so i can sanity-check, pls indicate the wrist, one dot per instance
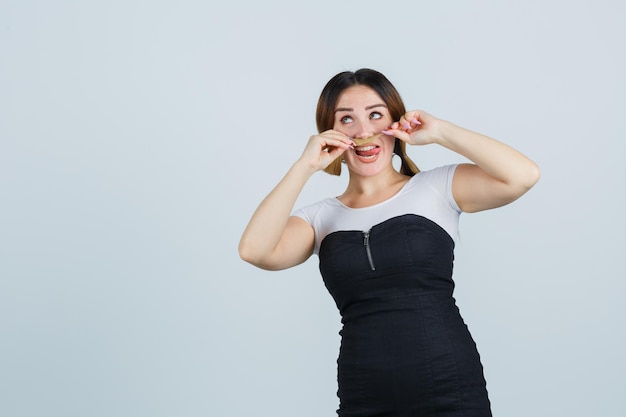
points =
(303, 169)
(446, 131)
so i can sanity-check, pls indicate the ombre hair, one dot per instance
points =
(325, 114)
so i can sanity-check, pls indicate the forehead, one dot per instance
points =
(358, 96)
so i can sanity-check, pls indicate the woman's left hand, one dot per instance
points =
(499, 174)
(416, 127)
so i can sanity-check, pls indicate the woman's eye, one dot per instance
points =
(375, 115)
(346, 119)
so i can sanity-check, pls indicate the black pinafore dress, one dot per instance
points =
(405, 350)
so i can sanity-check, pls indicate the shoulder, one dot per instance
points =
(439, 177)
(438, 172)
(309, 212)
(437, 183)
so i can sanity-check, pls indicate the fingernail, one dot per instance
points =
(415, 121)
(387, 132)
(406, 125)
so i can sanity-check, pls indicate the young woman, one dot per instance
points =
(386, 246)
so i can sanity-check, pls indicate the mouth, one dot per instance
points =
(367, 151)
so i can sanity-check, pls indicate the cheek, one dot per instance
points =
(390, 142)
(343, 129)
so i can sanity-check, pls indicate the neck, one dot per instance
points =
(375, 184)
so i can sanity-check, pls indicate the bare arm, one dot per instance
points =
(499, 175)
(273, 239)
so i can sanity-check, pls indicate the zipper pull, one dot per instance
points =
(368, 250)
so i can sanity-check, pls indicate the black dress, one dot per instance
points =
(405, 350)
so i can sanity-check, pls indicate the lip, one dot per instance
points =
(367, 153)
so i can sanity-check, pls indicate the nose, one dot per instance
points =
(363, 135)
(364, 131)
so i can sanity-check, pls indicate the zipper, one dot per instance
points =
(366, 243)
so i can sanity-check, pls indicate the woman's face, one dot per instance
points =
(361, 113)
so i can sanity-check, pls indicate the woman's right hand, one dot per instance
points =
(324, 148)
(273, 238)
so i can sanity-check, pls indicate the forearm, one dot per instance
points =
(268, 223)
(497, 159)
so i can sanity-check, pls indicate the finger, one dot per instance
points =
(331, 142)
(414, 118)
(397, 133)
(335, 153)
(330, 136)
(338, 135)
(409, 122)
(404, 123)
(409, 119)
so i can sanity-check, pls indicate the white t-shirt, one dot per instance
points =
(427, 194)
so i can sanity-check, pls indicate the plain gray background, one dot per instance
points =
(137, 138)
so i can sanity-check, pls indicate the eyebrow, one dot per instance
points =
(367, 108)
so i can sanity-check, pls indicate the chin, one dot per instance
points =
(367, 170)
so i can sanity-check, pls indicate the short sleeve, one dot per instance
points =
(450, 170)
